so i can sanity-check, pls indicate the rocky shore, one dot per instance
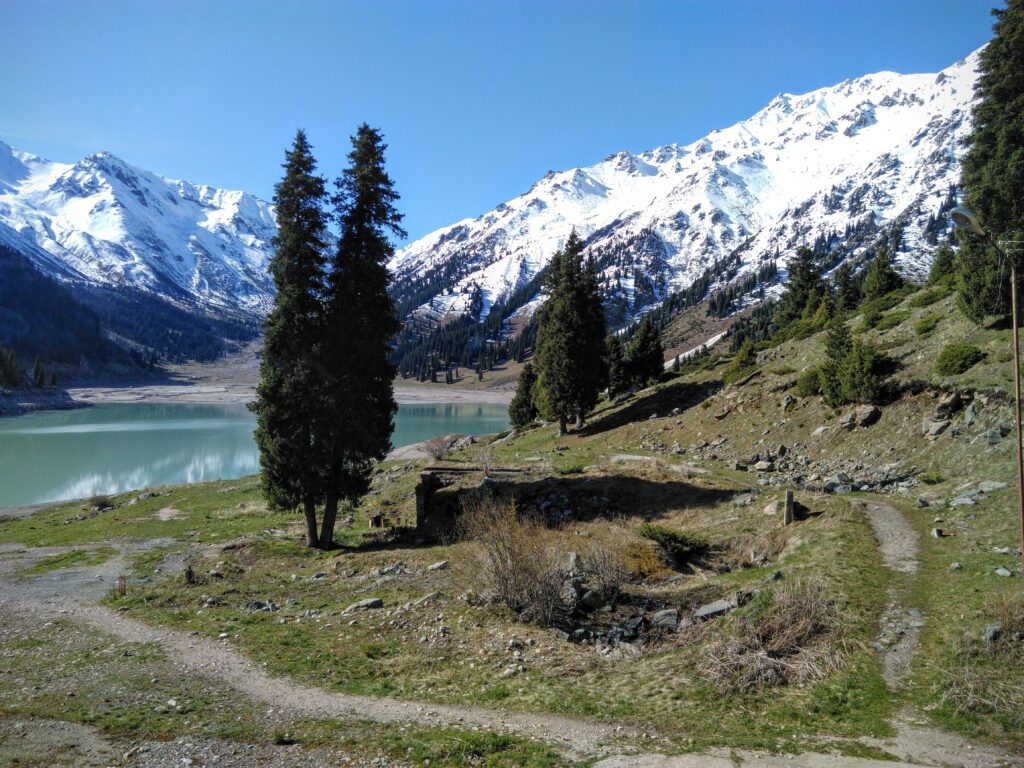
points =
(20, 402)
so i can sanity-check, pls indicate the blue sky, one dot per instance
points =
(478, 98)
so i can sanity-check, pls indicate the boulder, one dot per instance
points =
(667, 619)
(765, 466)
(992, 633)
(722, 412)
(970, 414)
(962, 501)
(1003, 571)
(438, 566)
(866, 415)
(948, 405)
(591, 600)
(848, 420)
(365, 605)
(987, 486)
(932, 429)
(711, 610)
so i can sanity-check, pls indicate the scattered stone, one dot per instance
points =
(970, 414)
(262, 605)
(923, 502)
(722, 412)
(948, 405)
(788, 402)
(932, 429)
(992, 633)
(319, 575)
(711, 610)
(365, 605)
(765, 466)
(772, 508)
(848, 420)
(821, 430)
(962, 501)
(591, 600)
(937, 533)
(739, 466)
(1003, 571)
(667, 619)
(988, 486)
(866, 415)
(955, 567)
(744, 499)
(439, 566)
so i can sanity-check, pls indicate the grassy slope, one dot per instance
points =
(384, 653)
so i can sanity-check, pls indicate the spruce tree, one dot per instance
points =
(943, 264)
(881, 278)
(859, 373)
(993, 167)
(571, 366)
(646, 357)
(618, 369)
(838, 344)
(847, 295)
(523, 410)
(38, 376)
(803, 288)
(291, 380)
(358, 411)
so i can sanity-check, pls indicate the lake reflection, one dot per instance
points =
(117, 447)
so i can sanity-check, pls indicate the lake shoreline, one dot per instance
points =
(241, 394)
(15, 403)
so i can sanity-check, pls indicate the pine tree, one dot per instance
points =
(646, 357)
(847, 295)
(291, 383)
(838, 344)
(943, 264)
(802, 289)
(523, 410)
(881, 278)
(571, 367)
(618, 369)
(53, 379)
(993, 167)
(38, 376)
(358, 414)
(859, 373)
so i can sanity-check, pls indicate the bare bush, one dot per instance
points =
(438, 447)
(788, 635)
(101, 501)
(519, 562)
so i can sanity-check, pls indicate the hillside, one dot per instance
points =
(856, 630)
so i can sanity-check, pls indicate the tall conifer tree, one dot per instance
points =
(881, 278)
(360, 405)
(993, 167)
(646, 356)
(803, 288)
(523, 410)
(286, 397)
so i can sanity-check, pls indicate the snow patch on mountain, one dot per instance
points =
(883, 147)
(106, 222)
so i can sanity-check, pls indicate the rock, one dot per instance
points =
(711, 610)
(988, 486)
(560, 634)
(821, 430)
(955, 567)
(439, 566)
(788, 402)
(848, 420)
(318, 576)
(765, 466)
(970, 414)
(772, 508)
(676, 411)
(992, 633)
(261, 605)
(866, 415)
(996, 434)
(948, 405)
(722, 412)
(365, 605)
(667, 619)
(591, 600)
(1003, 571)
(937, 533)
(923, 502)
(744, 499)
(739, 466)
(962, 501)
(932, 429)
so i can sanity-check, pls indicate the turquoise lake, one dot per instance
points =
(111, 448)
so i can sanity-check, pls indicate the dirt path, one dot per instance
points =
(70, 594)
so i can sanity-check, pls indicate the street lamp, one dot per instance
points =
(968, 222)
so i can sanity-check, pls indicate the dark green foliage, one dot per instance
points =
(926, 324)
(38, 375)
(928, 296)
(861, 373)
(993, 167)
(847, 294)
(677, 548)
(11, 374)
(571, 366)
(645, 358)
(943, 265)
(523, 410)
(357, 418)
(838, 344)
(290, 396)
(804, 289)
(619, 379)
(742, 364)
(956, 358)
(53, 379)
(808, 383)
(881, 279)
(892, 319)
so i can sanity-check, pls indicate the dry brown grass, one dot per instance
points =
(437, 448)
(787, 635)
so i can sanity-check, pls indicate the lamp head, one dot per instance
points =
(965, 219)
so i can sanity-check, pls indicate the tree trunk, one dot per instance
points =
(309, 510)
(561, 424)
(581, 421)
(327, 529)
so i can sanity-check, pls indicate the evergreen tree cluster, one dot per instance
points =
(11, 375)
(993, 168)
(325, 403)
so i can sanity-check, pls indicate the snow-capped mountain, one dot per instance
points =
(874, 150)
(105, 222)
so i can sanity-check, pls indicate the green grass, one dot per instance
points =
(74, 558)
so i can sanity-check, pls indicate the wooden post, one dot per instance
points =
(787, 512)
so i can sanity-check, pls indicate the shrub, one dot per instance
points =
(870, 317)
(742, 364)
(926, 324)
(643, 560)
(677, 547)
(437, 448)
(782, 636)
(931, 478)
(101, 501)
(783, 370)
(808, 383)
(892, 319)
(956, 358)
(929, 296)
